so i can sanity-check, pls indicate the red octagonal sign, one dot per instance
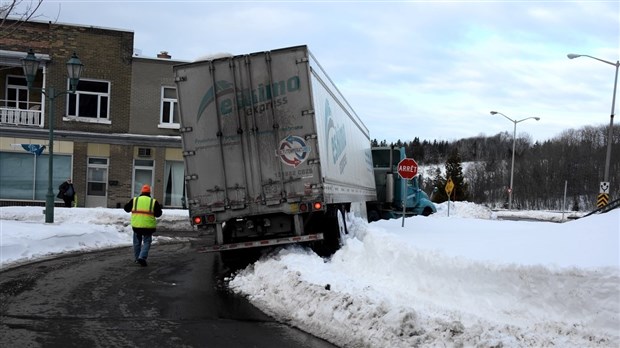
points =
(407, 168)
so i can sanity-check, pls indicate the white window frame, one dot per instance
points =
(100, 118)
(144, 166)
(18, 89)
(173, 106)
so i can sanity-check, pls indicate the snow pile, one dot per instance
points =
(175, 218)
(24, 235)
(434, 283)
(465, 210)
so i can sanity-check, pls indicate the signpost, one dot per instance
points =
(603, 197)
(449, 188)
(407, 169)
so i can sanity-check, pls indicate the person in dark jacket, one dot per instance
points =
(66, 192)
(144, 209)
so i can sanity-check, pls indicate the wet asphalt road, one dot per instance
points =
(103, 299)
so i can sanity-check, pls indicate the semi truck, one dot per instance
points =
(395, 196)
(274, 154)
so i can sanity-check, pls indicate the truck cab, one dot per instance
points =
(391, 188)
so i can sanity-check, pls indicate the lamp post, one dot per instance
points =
(514, 143)
(611, 117)
(30, 64)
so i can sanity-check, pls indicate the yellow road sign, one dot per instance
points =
(449, 186)
(602, 200)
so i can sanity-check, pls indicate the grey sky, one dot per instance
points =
(427, 69)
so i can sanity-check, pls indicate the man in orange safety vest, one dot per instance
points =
(144, 209)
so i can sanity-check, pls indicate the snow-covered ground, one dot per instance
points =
(469, 280)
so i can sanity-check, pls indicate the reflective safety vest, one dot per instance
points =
(142, 214)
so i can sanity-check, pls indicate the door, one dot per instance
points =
(96, 183)
(142, 175)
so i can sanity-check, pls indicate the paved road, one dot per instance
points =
(103, 299)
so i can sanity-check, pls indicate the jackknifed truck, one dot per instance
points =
(273, 152)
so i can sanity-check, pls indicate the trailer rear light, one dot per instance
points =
(204, 219)
(308, 207)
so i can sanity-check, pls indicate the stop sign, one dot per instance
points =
(407, 168)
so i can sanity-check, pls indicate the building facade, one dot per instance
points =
(120, 129)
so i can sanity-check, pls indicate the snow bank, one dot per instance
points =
(24, 235)
(389, 289)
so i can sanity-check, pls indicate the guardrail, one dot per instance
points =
(611, 206)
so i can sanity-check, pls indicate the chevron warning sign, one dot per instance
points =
(602, 200)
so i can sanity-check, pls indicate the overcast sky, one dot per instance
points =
(427, 69)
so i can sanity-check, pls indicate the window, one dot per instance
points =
(91, 100)
(16, 92)
(381, 158)
(23, 176)
(169, 111)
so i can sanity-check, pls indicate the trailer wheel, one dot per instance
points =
(343, 228)
(329, 226)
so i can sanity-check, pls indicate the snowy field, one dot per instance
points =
(467, 280)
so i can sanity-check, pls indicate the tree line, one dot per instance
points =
(480, 168)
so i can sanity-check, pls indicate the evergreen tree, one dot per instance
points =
(439, 183)
(417, 150)
(540, 170)
(454, 170)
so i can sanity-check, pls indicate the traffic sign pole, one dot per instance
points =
(449, 188)
(404, 200)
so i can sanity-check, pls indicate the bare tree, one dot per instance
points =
(18, 11)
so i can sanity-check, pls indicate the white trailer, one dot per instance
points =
(273, 151)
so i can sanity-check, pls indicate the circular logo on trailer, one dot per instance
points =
(293, 150)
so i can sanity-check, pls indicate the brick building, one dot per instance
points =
(116, 133)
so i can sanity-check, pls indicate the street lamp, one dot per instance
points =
(514, 143)
(611, 118)
(30, 64)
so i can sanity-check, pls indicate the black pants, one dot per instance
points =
(68, 201)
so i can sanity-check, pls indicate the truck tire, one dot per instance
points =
(343, 228)
(330, 228)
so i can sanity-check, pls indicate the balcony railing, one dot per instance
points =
(30, 116)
